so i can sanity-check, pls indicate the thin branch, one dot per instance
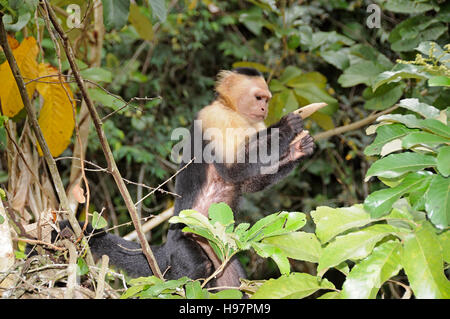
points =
(353, 126)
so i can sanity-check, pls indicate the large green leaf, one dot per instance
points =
(293, 286)
(427, 111)
(298, 245)
(437, 201)
(408, 6)
(386, 134)
(367, 276)
(115, 13)
(443, 160)
(379, 203)
(159, 9)
(278, 256)
(384, 97)
(398, 72)
(423, 139)
(396, 165)
(423, 263)
(334, 221)
(353, 246)
(361, 73)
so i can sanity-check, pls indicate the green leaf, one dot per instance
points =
(194, 290)
(353, 246)
(396, 165)
(278, 256)
(386, 134)
(159, 9)
(227, 294)
(408, 6)
(440, 80)
(337, 58)
(423, 263)
(379, 203)
(97, 75)
(331, 295)
(367, 276)
(223, 214)
(427, 111)
(444, 241)
(169, 286)
(384, 97)
(443, 160)
(298, 245)
(115, 13)
(423, 139)
(437, 201)
(361, 73)
(436, 127)
(275, 224)
(398, 72)
(334, 221)
(82, 267)
(98, 221)
(294, 286)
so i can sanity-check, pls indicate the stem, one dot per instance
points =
(112, 167)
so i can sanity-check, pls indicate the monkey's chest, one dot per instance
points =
(215, 190)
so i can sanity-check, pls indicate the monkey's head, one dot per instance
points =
(245, 91)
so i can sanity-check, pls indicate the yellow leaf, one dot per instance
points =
(141, 23)
(56, 116)
(25, 55)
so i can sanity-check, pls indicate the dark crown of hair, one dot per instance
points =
(247, 71)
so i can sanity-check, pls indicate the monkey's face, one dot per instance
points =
(254, 98)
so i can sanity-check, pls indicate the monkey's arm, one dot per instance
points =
(283, 133)
(299, 149)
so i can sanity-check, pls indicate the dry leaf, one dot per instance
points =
(308, 110)
(25, 55)
(56, 116)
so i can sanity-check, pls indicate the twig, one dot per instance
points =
(170, 178)
(101, 278)
(152, 223)
(112, 167)
(39, 242)
(353, 126)
(71, 269)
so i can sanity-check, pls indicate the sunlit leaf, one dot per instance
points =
(293, 286)
(423, 263)
(367, 276)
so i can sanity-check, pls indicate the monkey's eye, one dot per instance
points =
(259, 98)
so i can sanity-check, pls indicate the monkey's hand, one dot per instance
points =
(302, 145)
(291, 124)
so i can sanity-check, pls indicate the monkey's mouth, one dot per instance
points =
(259, 117)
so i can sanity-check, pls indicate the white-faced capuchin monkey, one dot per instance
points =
(238, 166)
